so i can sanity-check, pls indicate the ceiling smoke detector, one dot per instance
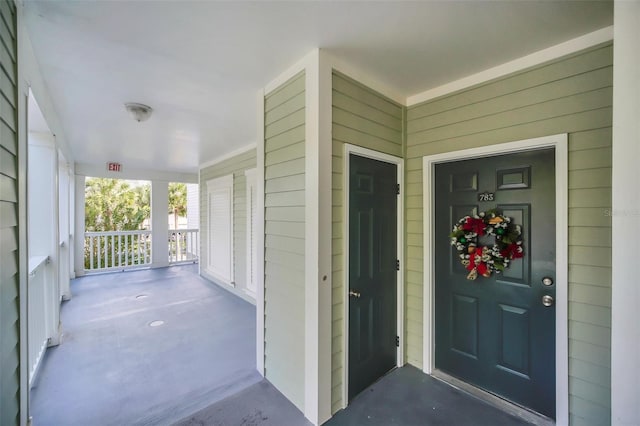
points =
(139, 112)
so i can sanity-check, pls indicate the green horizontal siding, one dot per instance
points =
(284, 272)
(10, 251)
(572, 95)
(362, 117)
(236, 166)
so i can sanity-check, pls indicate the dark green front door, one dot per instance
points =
(495, 332)
(372, 270)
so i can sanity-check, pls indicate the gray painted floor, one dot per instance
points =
(408, 397)
(258, 405)
(198, 367)
(113, 368)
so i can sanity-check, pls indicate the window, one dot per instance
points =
(220, 228)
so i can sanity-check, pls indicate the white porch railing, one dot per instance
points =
(37, 318)
(116, 250)
(183, 246)
(119, 250)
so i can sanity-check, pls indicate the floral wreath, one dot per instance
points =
(485, 260)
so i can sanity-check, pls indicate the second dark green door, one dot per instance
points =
(372, 270)
(496, 332)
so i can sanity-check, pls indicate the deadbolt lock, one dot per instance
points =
(547, 281)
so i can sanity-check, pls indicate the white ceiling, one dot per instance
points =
(200, 64)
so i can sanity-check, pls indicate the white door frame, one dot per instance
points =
(559, 143)
(399, 162)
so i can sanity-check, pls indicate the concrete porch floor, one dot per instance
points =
(114, 368)
(198, 367)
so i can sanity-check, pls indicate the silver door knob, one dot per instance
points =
(355, 294)
(547, 300)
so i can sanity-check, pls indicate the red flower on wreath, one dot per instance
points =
(512, 251)
(476, 263)
(474, 225)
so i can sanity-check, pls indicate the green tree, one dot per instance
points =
(177, 201)
(114, 205)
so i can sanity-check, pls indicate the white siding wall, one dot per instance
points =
(570, 95)
(284, 278)
(364, 118)
(10, 251)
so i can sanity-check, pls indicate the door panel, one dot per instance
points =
(494, 332)
(372, 271)
(518, 270)
(464, 328)
(514, 340)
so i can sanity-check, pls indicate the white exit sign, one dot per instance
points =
(114, 167)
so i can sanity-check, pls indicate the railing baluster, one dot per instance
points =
(183, 245)
(178, 245)
(90, 252)
(187, 244)
(99, 251)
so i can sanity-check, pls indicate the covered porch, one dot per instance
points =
(265, 124)
(165, 346)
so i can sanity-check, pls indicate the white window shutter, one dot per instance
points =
(220, 224)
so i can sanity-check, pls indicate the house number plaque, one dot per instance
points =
(486, 196)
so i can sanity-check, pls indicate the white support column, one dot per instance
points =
(78, 226)
(64, 209)
(159, 223)
(625, 212)
(317, 405)
(72, 223)
(42, 177)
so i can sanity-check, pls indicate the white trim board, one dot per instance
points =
(251, 184)
(559, 143)
(227, 156)
(260, 234)
(399, 162)
(545, 55)
(200, 220)
(625, 295)
(317, 269)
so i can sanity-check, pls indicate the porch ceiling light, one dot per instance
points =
(139, 112)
